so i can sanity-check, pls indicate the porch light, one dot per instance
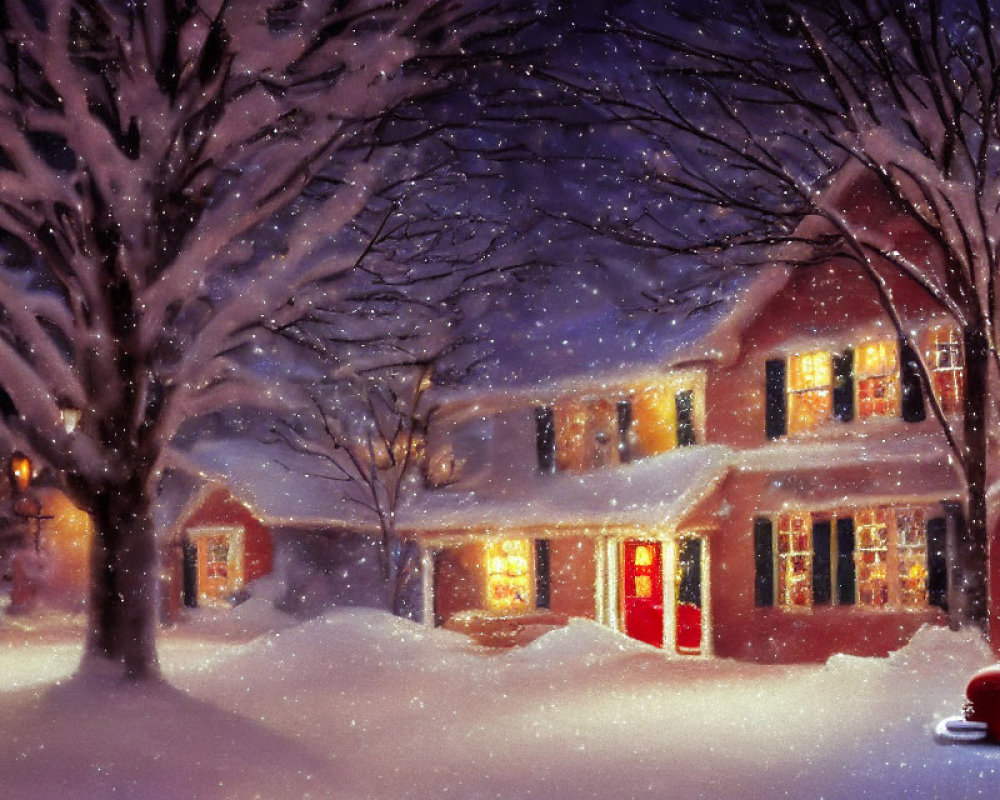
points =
(19, 470)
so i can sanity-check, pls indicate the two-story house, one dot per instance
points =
(775, 488)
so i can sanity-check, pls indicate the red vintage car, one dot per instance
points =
(980, 719)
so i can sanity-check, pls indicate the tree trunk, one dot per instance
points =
(123, 584)
(406, 563)
(974, 555)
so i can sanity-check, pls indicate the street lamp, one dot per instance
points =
(19, 470)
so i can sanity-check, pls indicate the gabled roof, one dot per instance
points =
(281, 487)
(609, 347)
(657, 491)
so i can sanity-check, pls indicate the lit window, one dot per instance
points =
(587, 434)
(643, 556)
(509, 580)
(810, 390)
(572, 452)
(795, 560)
(654, 421)
(911, 537)
(947, 365)
(871, 556)
(877, 373)
(217, 561)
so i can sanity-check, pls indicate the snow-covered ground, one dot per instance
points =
(358, 704)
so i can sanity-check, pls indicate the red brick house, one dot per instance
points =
(773, 489)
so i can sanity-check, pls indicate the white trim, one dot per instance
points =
(611, 553)
(668, 554)
(600, 581)
(235, 558)
(427, 585)
(608, 577)
(707, 650)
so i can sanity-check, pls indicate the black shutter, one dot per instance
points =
(684, 405)
(689, 561)
(545, 438)
(763, 550)
(543, 585)
(624, 408)
(775, 420)
(845, 561)
(843, 386)
(190, 575)
(821, 563)
(909, 376)
(937, 562)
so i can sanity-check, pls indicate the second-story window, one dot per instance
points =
(810, 390)
(943, 352)
(877, 379)
(580, 434)
(586, 434)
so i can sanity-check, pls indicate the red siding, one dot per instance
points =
(572, 576)
(220, 508)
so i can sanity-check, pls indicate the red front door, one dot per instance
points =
(642, 591)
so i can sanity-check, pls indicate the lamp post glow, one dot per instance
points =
(20, 472)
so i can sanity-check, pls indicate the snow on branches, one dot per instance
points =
(144, 147)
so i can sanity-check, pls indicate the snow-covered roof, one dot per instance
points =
(882, 445)
(657, 491)
(917, 467)
(280, 486)
(599, 343)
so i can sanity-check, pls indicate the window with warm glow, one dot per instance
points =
(795, 560)
(217, 558)
(871, 556)
(877, 373)
(947, 365)
(653, 422)
(911, 538)
(810, 390)
(643, 555)
(509, 576)
(586, 434)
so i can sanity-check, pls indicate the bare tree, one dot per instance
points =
(743, 118)
(171, 175)
(365, 435)
(398, 328)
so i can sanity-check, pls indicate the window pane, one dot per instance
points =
(653, 422)
(810, 390)
(795, 560)
(871, 556)
(877, 372)
(911, 528)
(944, 356)
(509, 579)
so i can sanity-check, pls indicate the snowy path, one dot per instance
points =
(361, 705)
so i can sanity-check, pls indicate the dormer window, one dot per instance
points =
(580, 434)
